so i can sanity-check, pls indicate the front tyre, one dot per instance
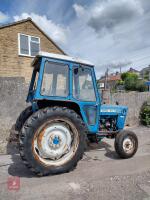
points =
(126, 144)
(52, 141)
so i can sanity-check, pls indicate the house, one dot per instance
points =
(19, 43)
(132, 70)
(110, 81)
(145, 73)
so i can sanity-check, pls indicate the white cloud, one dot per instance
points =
(106, 32)
(3, 17)
(106, 15)
(55, 31)
(111, 33)
(110, 14)
(79, 10)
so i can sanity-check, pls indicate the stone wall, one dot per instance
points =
(13, 92)
(134, 101)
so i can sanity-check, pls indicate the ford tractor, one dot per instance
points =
(65, 109)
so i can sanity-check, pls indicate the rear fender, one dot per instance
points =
(79, 108)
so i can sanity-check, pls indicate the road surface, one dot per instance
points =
(99, 175)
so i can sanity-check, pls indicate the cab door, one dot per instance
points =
(86, 95)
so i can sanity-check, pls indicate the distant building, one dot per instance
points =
(132, 70)
(19, 43)
(111, 81)
(145, 72)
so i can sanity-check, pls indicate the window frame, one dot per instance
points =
(89, 68)
(29, 41)
(68, 79)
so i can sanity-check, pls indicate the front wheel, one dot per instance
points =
(52, 141)
(126, 144)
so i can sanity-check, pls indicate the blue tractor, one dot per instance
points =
(65, 110)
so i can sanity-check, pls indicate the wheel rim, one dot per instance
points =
(128, 145)
(55, 142)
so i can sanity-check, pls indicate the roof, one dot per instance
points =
(145, 69)
(114, 77)
(133, 70)
(111, 78)
(30, 20)
(61, 57)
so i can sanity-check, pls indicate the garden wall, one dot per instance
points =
(13, 93)
(133, 100)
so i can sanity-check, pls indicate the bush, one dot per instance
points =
(130, 83)
(145, 113)
(133, 83)
(126, 75)
(120, 82)
(140, 86)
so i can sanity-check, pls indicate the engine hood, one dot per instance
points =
(113, 110)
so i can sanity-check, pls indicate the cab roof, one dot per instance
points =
(60, 57)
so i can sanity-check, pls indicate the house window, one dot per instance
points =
(28, 45)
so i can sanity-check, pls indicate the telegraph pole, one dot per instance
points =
(149, 78)
(106, 77)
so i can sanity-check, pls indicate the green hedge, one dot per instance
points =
(145, 113)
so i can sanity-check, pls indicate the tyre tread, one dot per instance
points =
(43, 113)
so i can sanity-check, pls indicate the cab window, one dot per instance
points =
(55, 80)
(83, 88)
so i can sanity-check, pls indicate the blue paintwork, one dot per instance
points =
(56, 140)
(147, 83)
(35, 96)
(115, 110)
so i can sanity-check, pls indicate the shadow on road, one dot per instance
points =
(17, 168)
(103, 146)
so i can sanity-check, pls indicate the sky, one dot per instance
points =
(109, 33)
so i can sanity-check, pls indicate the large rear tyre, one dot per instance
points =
(24, 115)
(52, 141)
(126, 144)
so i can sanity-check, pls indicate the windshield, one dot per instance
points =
(55, 79)
(83, 88)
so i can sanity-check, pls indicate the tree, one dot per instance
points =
(124, 75)
(130, 83)
(130, 80)
(140, 86)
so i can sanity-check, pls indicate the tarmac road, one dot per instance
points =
(100, 175)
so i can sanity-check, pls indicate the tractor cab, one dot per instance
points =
(68, 81)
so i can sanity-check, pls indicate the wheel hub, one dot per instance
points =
(128, 145)
(54, 141)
